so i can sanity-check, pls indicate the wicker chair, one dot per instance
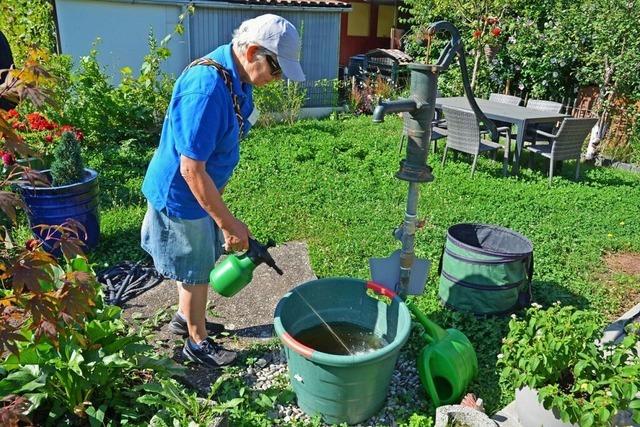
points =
(541, 105)
(438, 129)
(505, 99)
(566, 144)
(463, 134)
(438, 126)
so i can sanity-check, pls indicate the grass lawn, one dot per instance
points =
(331, 183)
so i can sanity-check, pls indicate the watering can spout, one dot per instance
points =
(397, 106)
(433, 332)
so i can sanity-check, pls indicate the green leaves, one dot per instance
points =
(180, 407)
(279, 100)
(24, 380)
(556, 352)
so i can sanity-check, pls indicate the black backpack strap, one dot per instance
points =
(226, 77)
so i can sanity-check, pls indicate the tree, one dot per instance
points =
(477, 20)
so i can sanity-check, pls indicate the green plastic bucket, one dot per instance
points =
(340, 388)
(485, 269)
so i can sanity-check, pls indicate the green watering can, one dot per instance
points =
(448, 362)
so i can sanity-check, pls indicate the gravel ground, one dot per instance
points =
(404, 397)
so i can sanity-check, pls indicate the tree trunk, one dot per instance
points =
(476, 64)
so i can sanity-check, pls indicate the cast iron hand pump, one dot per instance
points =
(419, 110)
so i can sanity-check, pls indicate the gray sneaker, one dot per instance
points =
(178, 326)
(208, 353)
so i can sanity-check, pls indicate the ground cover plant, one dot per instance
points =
(331, 183)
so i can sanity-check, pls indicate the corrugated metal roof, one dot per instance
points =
(396, 54)
(298, 3)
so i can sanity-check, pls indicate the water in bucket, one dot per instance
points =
(340, 338)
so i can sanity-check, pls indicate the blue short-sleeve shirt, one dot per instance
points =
(200, 124)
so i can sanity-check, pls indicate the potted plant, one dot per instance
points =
(489, 36)
(562, 374)
(73, 194)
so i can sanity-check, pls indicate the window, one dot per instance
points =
(386, 20)
(358, 20)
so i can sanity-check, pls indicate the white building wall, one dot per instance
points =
(123, 30)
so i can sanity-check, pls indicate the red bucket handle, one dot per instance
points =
(296, 345)
(379, 289)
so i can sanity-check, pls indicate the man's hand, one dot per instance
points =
(236, 235)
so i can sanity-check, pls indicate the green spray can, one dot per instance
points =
(236, 271)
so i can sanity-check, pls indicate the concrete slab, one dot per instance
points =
(250, 312)
(615, 331)
(248, 315)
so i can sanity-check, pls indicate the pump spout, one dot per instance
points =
(398, 106)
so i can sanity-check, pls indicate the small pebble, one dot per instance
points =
(404, 396)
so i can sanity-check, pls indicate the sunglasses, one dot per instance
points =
(276, 70)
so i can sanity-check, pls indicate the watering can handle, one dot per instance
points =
(433, 392)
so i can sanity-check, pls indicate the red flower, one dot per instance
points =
(8, 159)
(496, 31)
(38, 122)
(48, 138)
(11, 114)
(32, 244)
(19, 126)
(477, 34)
(68, 128)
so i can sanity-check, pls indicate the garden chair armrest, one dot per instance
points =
(545, 134)
(506, 131)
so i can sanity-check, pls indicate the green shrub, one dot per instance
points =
(28, 23)
(280, 100)
(556, 352)
(134, 109)
(67, 166)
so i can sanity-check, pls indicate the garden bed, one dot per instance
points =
(331, 183)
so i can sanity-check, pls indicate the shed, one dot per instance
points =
(387, 62)
(123, 28)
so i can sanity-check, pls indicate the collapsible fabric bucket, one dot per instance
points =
(485, 269)
(349, 388)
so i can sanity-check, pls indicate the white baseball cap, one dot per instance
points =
(278, 35)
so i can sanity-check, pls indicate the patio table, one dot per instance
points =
(519, 116)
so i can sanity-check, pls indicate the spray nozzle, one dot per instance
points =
(259, 253)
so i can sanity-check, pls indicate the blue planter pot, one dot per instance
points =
(55, 205)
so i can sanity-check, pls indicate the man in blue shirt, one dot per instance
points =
(211, 109)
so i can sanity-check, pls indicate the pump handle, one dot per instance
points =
(456, 47)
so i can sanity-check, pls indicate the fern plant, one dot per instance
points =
(67, 166)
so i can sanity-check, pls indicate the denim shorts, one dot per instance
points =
(182, 249)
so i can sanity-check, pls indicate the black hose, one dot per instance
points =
(127, 280)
